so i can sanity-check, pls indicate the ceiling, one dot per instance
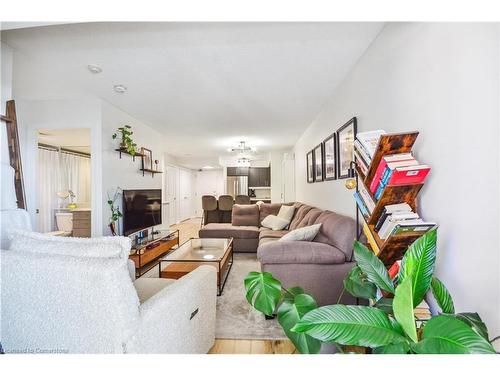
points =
(70, 139)
(205, 85)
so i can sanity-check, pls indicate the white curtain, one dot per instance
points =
(60, 171)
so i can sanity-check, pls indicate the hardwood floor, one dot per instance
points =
(189, 229)
(224, 346)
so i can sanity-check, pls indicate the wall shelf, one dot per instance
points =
(152, 171)
(124, 151)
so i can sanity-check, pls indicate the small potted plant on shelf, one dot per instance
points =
(388, 326)
(115, 211)
(127, 144)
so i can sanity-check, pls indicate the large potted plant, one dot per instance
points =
(388, 325)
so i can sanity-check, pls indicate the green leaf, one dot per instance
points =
(475, 322)
(349, 325)
(113, 136)
(418, 262)
(263, 291)
(290, 293)
(372, 267)
(290, 312)
(442, 296)
(403, 308)
(446, 334)
(357, 284)
(384, 304)
(399, 348)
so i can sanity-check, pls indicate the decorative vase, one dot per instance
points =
(112, 228)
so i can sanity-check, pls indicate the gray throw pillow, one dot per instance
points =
(302, 234)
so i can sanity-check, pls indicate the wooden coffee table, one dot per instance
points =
(216, 252)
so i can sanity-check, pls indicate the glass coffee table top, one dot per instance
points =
(200, 249)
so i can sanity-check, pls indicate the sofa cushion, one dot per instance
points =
(223, 230)
(267, 240)
(147, 287)
(337, 230)
(303, 216)
(245, 215)
(302, 234)
(102, 247)
(274, 222)
(272, 233)
(268, 209)
(297, 252)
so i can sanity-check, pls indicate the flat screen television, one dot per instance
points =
(141, 209)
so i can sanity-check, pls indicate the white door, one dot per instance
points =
(185, 194)
(171, 194)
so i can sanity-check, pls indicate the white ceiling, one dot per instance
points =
(205, 85)
(70, 139)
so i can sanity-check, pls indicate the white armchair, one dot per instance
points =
(58, 302)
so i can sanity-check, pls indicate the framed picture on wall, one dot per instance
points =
(147, 159)
(346, 135)
(310, 166)
(330, 157)
(318, 163)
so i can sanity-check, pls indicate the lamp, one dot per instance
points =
(351, 182)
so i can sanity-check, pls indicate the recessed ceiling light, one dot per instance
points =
(208, 167)
(94, 69)
(120, 89)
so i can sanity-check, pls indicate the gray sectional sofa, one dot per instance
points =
(319, 266)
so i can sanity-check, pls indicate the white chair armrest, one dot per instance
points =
(180, 318)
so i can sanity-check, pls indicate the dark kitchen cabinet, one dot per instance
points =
(259, 177)
(237, 171)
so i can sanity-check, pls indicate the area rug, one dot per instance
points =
(236, 319)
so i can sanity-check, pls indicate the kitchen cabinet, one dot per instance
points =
(259, 177)
(237, 171)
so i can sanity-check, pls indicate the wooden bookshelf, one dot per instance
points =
(394, 247)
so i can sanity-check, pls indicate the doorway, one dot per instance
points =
(64, 182)
(171, 190)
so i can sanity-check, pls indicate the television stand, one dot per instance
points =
(147, 254)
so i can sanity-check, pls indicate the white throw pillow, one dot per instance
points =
(286, 212)
(102, 247)
(274, 222)
(302, 234)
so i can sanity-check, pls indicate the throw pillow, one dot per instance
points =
(274, 222)
(302, 234)
(286, 212)
(102, 247)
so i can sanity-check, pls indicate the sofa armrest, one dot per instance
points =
(180, 318)
(293, 252)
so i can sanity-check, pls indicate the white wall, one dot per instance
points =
(60, 114)
(6, 58)
(443, 80)
(124, 172)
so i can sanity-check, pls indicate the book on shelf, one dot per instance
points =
(383, 163)
(394, 270)
(367, 159)
(394, 220)
(406, 227)
(371, 239)
(369, 141)
(390, 209)
(402, 175)
(367, 199)
(361, 205)
(360, 162)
